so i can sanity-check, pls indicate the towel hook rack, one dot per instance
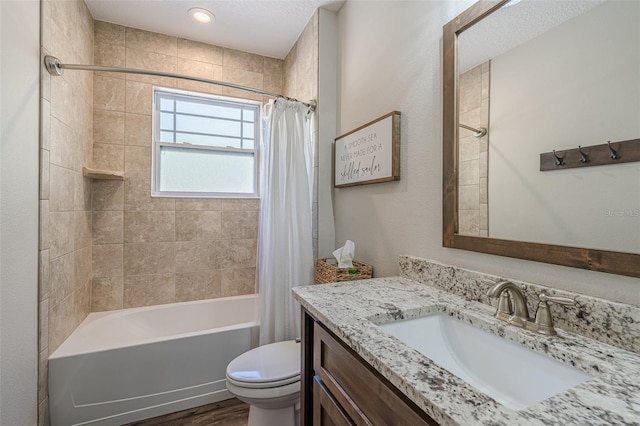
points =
(584, 155)
(559, 160)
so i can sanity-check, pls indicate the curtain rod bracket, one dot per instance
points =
(53, 65)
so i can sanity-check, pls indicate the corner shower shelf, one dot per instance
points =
(102, 174)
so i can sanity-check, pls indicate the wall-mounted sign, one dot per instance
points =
(368, 154)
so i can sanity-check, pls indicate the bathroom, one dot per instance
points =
(371, 72)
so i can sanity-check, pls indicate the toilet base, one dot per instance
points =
(286, 416)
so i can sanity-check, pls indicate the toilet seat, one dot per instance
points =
(269, 366)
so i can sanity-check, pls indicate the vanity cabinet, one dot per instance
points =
(340, 388)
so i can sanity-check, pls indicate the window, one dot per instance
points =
(204, 146)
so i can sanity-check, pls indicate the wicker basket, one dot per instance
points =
(327, 271)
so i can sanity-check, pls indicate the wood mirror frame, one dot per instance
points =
(577, 257)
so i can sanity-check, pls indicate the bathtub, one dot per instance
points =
(127, 365)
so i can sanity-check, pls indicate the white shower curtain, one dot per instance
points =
(285, 244)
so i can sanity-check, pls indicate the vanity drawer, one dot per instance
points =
(326, 410)
(364, 395)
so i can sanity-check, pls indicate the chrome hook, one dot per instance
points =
(614, 152)
(585, 156)
(559, 160)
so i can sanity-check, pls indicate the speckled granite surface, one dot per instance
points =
(599, 319)
(351, 310)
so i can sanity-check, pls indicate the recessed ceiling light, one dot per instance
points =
(201, 15)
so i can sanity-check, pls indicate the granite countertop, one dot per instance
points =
(351, 310)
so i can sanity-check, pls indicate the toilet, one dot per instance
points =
(268, 379)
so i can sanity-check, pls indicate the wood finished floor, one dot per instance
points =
(231, 412)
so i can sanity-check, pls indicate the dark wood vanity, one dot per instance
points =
(340, 388)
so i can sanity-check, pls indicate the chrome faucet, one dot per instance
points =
(512, 307)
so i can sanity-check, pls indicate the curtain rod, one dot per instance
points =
(55, 67)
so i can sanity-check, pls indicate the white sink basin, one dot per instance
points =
(509, 373)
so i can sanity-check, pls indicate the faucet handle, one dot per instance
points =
(544, 297)
(543, 320)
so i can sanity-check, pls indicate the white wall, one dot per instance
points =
(19, 112)
(575, 85)
(391, 59)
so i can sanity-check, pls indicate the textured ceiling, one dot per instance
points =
(514, 25)
(265, 27)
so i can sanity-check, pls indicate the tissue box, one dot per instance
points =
(327, 271)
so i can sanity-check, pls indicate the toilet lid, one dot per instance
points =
(276, 364)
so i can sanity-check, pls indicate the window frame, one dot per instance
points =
(157, 144)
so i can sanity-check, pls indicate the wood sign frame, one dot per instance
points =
(368, 154)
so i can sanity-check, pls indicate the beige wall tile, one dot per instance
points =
(146, 60)
(108, 227)
(484, 191)
(44, 241)
(82, 263)
(469, 148)
(108, 157)
(199, 69)
(198, 204)
(61, 233)
(199, 51)
(469, 197)
(111, 56)
(63, 277)
(469, 172)
(484, 217)
(197, 285)
(151, 42)
(198, 225)
(241, 204)
(45, 124)
(137, 196)
(138, 130)
(63, 152)
(137, 161)
(273, 83)
(238, 253)
(107, 260)
(244, 78)
(149, 226)
(197, 255)
(469, 222)
(44, 174)
(108, 126)
(43, 275)
(149, 258)
(108, 93)
(107, 294)
(139, 97)
(108, 195)
(237, 281)
(240, 224)
(61, 189)
(82, 229)
(43, 362)
(483, 166)
(109, 33)
(273, 66)
(148, 290)
(243, 61)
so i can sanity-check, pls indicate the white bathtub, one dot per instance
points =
(132, 364)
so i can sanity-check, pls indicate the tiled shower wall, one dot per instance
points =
(146, 250)
(65, 195)
(301, 82)
(473, 194)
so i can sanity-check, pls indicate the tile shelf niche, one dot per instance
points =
(102, 174)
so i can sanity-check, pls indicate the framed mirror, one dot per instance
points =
(523, 78)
